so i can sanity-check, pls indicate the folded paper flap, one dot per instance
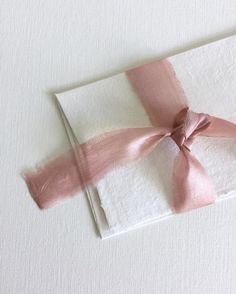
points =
(103, 106)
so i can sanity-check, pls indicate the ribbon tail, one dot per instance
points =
(192, 186)
(87, 163)
(220, 128)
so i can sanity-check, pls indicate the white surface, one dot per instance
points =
(138, 193)
(50, 46)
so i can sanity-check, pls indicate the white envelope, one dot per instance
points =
(131, 196)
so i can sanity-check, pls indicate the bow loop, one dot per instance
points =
(187, 126)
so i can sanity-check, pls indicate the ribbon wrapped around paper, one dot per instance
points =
(166, 105)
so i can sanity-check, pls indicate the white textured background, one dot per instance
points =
(54, 45)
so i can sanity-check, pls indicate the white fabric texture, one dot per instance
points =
(137, 194)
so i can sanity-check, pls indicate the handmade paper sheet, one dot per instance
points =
(140, 193)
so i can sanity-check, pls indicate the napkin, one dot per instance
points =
(137, 194)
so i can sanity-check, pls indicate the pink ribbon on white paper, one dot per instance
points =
(166, 105)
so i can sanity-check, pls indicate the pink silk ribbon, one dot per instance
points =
(164, 101)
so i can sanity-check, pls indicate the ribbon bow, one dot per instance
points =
(165, 103)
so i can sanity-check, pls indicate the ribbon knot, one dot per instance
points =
(187, 125)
